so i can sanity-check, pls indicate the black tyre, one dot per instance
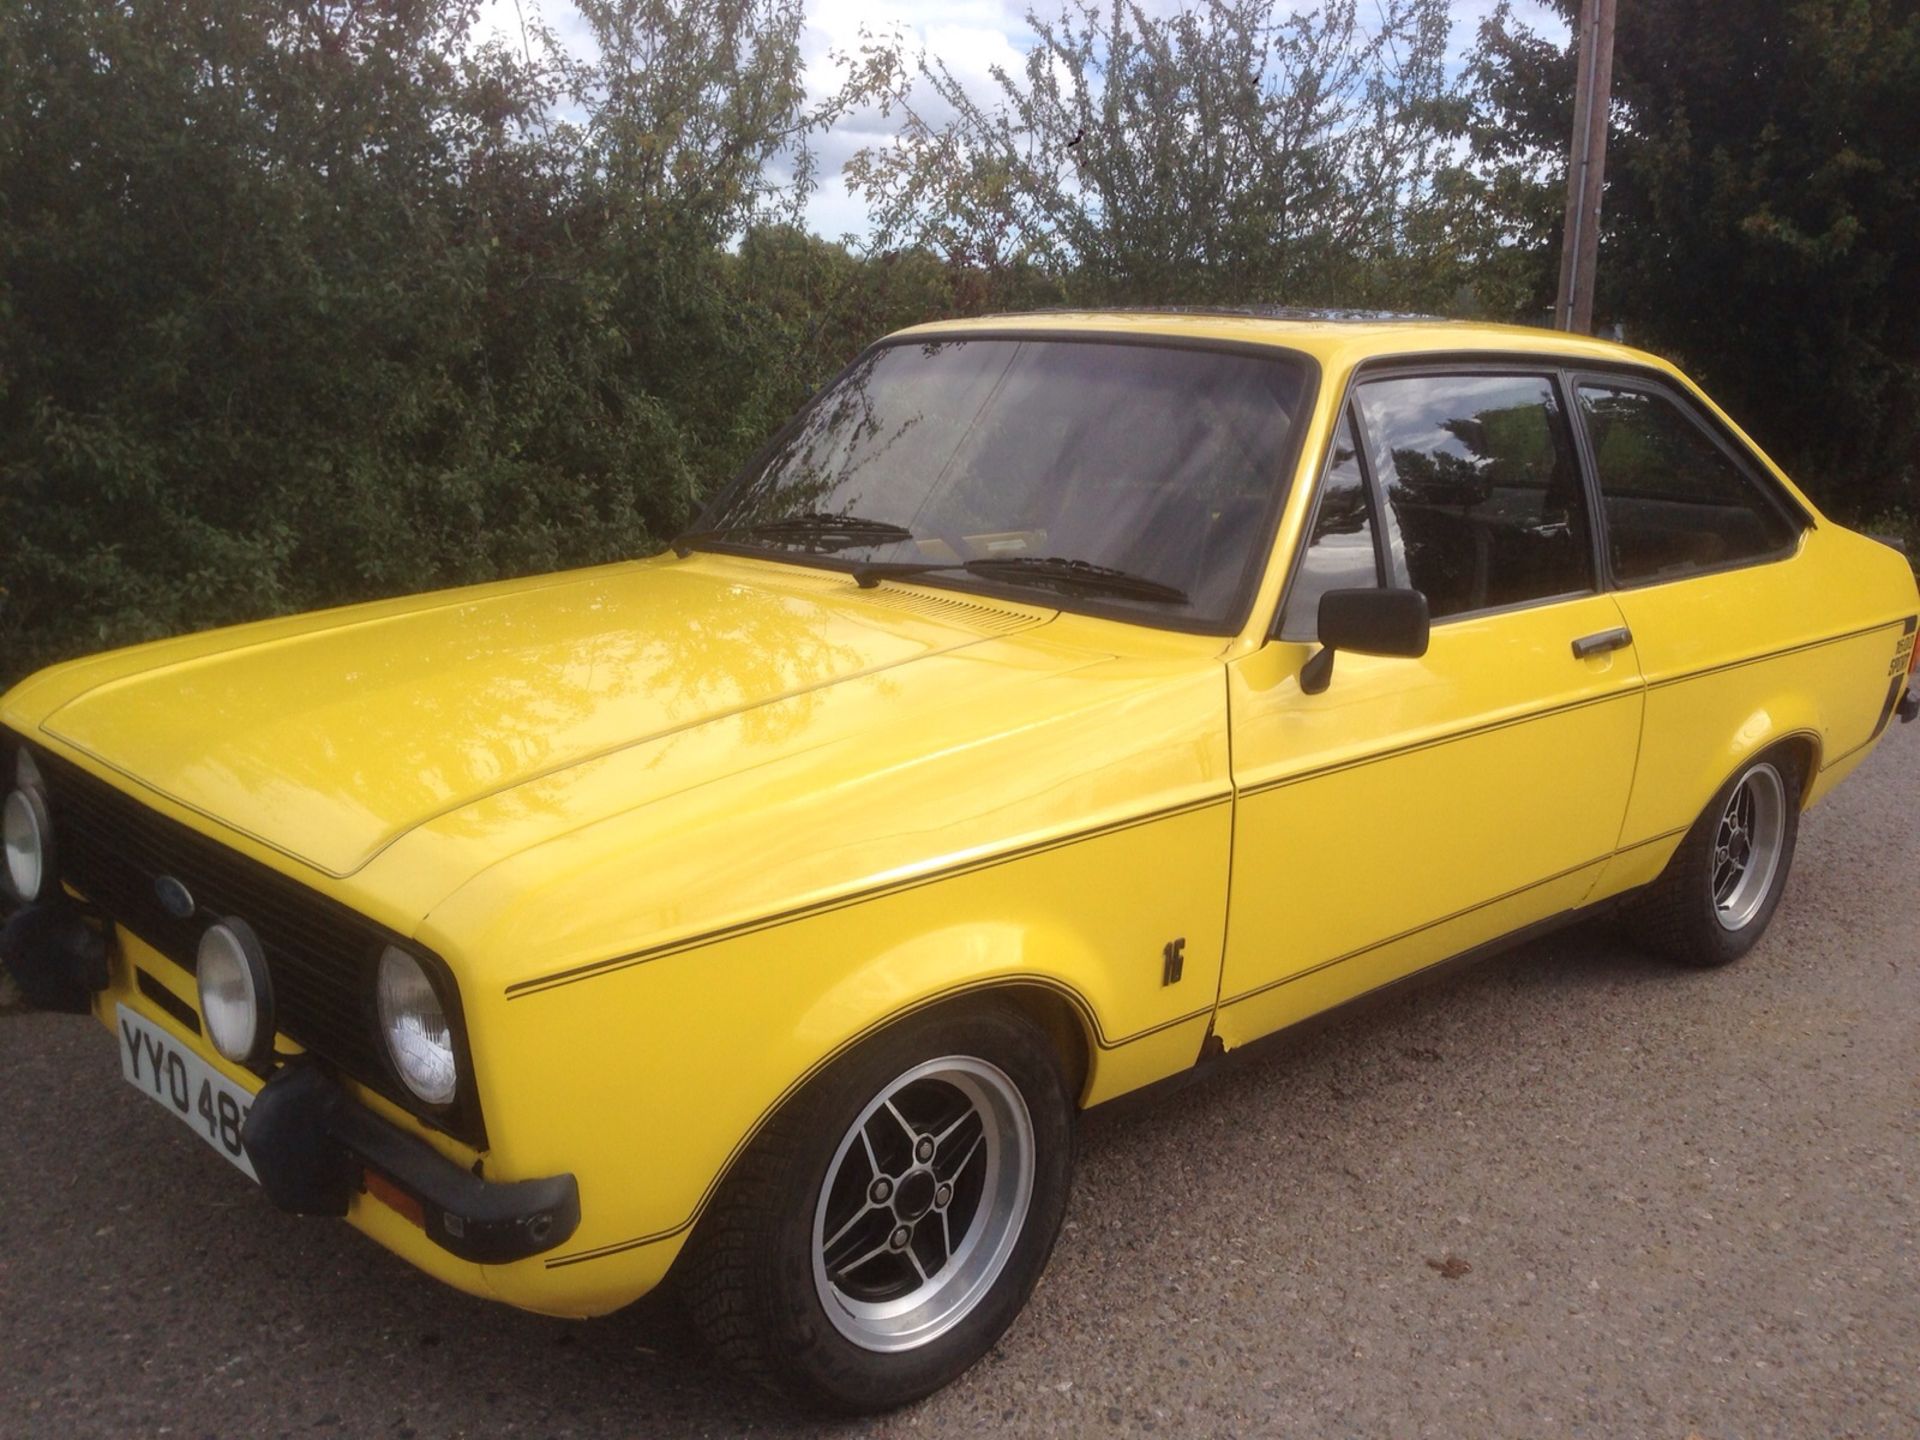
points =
(1713, 901)
(883, 1231)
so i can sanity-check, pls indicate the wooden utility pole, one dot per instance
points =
(1586, 167)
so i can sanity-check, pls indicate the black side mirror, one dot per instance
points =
(1368, 622)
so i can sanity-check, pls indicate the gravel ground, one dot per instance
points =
(1569, 1192)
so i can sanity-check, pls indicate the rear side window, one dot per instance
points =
(1340, 553)
(1674, 501)
(1483, 492)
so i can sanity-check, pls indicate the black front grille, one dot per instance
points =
(320, 953)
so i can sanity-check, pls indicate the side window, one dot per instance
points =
(1340, 552)
(1483, 492)
(1674, 500)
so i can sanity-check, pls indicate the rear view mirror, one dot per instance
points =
(1367, 622)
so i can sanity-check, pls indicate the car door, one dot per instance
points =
(1417, 808)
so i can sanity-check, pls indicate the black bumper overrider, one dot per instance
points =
(57, 955)
(313, 1147)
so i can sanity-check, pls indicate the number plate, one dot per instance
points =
(166, 1071)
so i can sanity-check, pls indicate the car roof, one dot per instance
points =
(1333, 337)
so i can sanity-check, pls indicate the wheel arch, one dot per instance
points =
(1060, 1012)
(1803, 743)
(1067, 1023)
(1784, 722)
(1806, 748)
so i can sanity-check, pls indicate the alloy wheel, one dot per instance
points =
(1746, 846)
(923, 1203)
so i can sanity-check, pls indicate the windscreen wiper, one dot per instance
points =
(814, 529)
(1082, 575)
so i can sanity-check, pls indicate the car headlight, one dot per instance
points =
(236, 993)
(414, 1022)
(28, 835)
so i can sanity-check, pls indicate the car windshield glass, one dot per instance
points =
(1156, 463)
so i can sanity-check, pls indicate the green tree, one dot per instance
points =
(1227, 152)
(1762, 205)
(304, 303)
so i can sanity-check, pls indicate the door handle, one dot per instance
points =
(1601, 642)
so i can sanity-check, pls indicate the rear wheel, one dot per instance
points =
(1718, 893)
(888, 1225)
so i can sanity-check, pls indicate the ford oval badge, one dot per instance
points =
(174, 897)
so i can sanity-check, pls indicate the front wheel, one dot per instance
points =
(1714, 900)
(884, 1230)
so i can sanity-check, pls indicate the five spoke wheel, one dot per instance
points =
(923, 1201)
(935, 1159)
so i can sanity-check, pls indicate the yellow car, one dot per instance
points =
(1057, 704)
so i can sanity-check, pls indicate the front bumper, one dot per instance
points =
(313, 1146)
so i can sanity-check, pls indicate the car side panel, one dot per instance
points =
(637, 1010)
(732, 1029)
(1738, 661)
(1418, 807)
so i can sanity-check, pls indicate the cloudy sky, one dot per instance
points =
(971, 36)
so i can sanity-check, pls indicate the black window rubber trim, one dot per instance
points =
(1569, 369)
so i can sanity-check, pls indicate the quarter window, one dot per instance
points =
(1483, 491)
(1340, 553)
(1675, 502)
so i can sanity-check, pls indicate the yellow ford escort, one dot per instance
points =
(1014, 733)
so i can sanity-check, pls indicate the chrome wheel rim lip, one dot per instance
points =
(952, 1292)
(1747, 843)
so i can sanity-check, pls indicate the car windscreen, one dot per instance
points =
(1071, 467)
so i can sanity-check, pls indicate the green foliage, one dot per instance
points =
(300, 304)
(1761, 214)
(308, 301)
(1228, 152)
